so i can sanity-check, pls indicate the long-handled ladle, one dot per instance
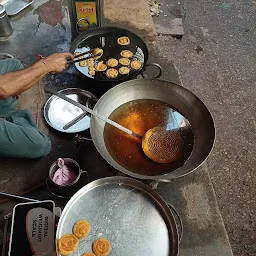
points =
(79, 105)
(159, 145)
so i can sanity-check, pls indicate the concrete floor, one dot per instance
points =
(223, 78)
(204, 233)
(216, 59)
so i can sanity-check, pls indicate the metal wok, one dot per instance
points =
(106, 39)
(177, 96)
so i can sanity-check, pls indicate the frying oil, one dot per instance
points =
(139, 116)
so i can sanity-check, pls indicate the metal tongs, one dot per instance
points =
(81, 116)
(78, 59)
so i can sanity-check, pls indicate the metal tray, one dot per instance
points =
(13, 7)
(58, 112)
(132, 216)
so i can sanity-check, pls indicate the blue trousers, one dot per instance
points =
(19, 135)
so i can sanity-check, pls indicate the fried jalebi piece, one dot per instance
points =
(91, 72)
(112, 73)
(101, 247)
(101, 66)
(136, 64)
(124, 61)
(91, 68)
(89, 254)
(112, 63)
(99, 52)
(82, 227)
(90, 62)
(124, 40)
(126, 54)
(67, 244)
(124, 70)
(82, 63)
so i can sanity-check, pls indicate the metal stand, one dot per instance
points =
(100, 13)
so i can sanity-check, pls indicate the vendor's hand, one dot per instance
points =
(57, 62)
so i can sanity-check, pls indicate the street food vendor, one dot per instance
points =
(19, 134)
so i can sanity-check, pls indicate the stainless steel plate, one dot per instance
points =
(13, 7)
(132, 216)
(58, 112)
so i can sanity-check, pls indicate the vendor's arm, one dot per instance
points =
(14, 83)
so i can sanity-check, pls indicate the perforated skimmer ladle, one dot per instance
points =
(158, 144)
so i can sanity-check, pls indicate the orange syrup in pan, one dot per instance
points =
(139, 116)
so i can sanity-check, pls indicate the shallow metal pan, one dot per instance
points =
(13, 7)
(58, 112)
(106, 39)
(131, 215)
